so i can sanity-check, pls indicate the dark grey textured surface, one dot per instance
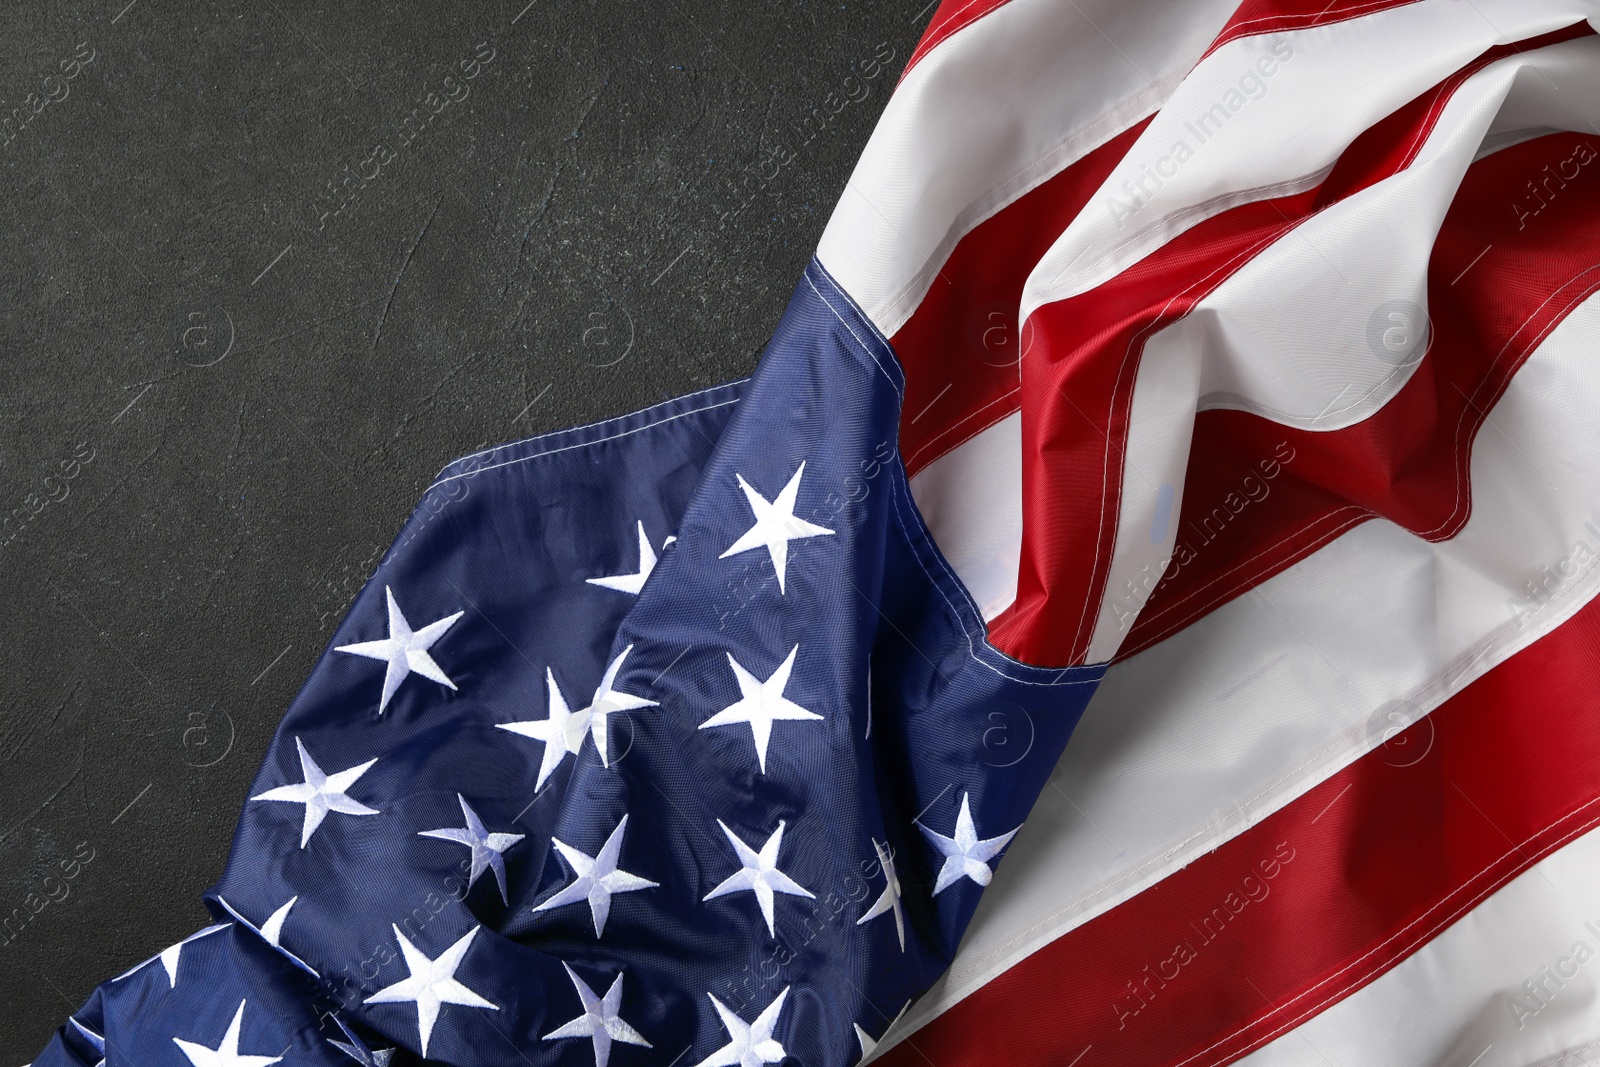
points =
(240, 337)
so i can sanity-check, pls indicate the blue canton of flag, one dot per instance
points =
(663, 740)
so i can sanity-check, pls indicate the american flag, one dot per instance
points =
(1232, 365)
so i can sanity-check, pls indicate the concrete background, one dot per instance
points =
(257, 285)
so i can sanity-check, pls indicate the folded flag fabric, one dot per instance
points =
(566, 782)
(1232, 366)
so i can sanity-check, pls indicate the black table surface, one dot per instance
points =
(268, 267)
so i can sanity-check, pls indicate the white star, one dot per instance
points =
(553, 731)
(97, 1040)
(170, 956)
(597, 878)
(759, 874)
(358, 1050)
(606, 700)
(760, 704)
(227, 1053)
(889, 899)
(271, 931)
(964, 854)
(632, 583)
(364, 1056)
(751, 1044)
(432, 983)
(486, 847)
(562, 732)
(776, 525)
(599, 1021)
(405, 650)
(320, 793)
(868, 1045)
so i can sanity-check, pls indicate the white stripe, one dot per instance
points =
(1251, 122)
(1461, 998)
(991, 113)
(1300, 334)
(1193, 740)
(954, 147)
(971, 500)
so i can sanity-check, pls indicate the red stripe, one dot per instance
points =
(959, 348)
(1077, 384)
(1409, 461)
(1359, 873)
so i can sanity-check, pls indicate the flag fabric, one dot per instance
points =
(631, 741)
(1230, 364)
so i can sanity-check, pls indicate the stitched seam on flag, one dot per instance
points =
(1463, 461)
(1419, 137)
(1069, 151)
(1109, 114)
(1163, 230)
(1111, 494)
(915, 536)
(1450, 681)
(1006, 414)
(676, 401)
(1226, 271)
(1375, 972)
(1466, 663)
(921, 540)
(1496, 382)
(894, 372)
(896, 318)
(894, 381)
(1444, 93)
(972, 645)
(1518, 61)
(1551, 1061)
(1328, 754)
(1386, 5)
(586, 444)
(972, 623)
